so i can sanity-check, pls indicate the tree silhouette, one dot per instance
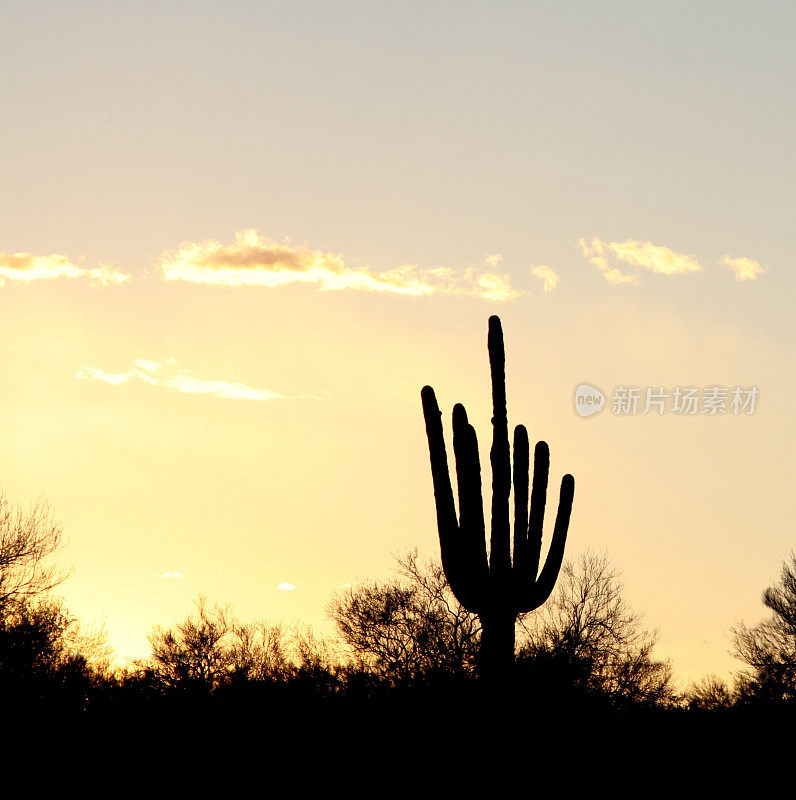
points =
(409, 629)
(769, 648)
(592, 643)
(46, 661)
(497, 589)
(29, 541)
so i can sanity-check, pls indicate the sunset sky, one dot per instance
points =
(237, 238)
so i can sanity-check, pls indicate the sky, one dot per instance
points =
(237, 238)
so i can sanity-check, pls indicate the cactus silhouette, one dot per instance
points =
(498, 588)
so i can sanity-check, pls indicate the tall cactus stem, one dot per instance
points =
(499, 456)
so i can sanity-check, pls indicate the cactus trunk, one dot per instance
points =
(497, 645)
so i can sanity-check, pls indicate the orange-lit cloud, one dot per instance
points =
(254, 260)
(745, 269)
(152, 372)
(645, 255)
(547, 276)
(26, 267)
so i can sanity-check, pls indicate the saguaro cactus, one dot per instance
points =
(497, 588)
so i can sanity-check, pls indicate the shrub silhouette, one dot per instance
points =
(409, 630)
(212, 649)
(592, 644)
(42, 667)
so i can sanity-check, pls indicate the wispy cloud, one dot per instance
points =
(254, 260)
(157, 374)
(547, 276)
(169, 575)
(26, 268)
(285, 587)
(745, 269)
(639, 255)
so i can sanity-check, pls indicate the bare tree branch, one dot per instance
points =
(769, 648)
(408, 628)
(29, 540)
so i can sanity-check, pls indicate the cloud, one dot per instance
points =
(286, 587)
(26, 267)
(745, 269)
(637, 254)
(254, 260)
(547, 276)
(655, 258)
(595, 253)
(151, 372)
(168, 575)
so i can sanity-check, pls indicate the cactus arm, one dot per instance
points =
(521, 467)
(479, 543)
(541, 472)
(500, 457)
(544, 585)
(468, 474)
(447, 524)
(471, 542)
